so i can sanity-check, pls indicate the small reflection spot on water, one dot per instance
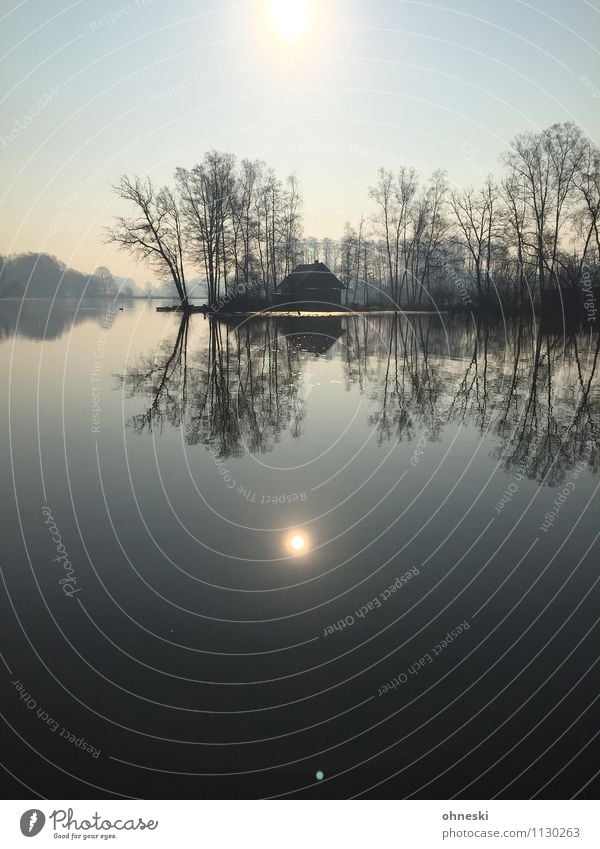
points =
(297, 542)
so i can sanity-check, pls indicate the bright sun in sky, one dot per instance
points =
(290, 18)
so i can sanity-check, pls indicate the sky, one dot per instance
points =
(91, 90)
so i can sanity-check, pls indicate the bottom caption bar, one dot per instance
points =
(303, 824)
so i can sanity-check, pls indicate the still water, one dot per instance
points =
(238, 554)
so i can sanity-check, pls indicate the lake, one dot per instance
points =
(240, 553)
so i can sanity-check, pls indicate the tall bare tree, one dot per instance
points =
(154, 233)
(208, 197)
(545, 165)
(474, 212)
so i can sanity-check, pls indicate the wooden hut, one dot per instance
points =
(310, 287)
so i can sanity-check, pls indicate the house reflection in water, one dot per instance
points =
(314, 335)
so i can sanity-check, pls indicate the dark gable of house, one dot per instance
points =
(313, 283)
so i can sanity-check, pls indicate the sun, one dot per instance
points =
(297, 542)
(290, 19)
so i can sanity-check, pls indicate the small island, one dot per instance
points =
(528, 240)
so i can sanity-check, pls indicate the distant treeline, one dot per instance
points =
(239, 226)
(40, 275)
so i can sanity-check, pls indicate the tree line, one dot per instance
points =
(240, 226)
(41, 275)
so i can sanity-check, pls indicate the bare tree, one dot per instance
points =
(386, 219)
(545, 165)
(514, 217)
(208, 197)
(244, 222)
(107, 281)
(474, 213)
(291, 224)
(436, 226)
(154, 234)
(587, 182)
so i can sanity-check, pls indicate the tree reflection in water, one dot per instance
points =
(532, 387)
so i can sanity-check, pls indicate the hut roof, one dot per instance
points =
(315, 275)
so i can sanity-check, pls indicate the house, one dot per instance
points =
(310, 287)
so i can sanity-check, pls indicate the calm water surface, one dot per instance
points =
(236, 554)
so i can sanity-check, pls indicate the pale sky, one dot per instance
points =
(87, 97)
